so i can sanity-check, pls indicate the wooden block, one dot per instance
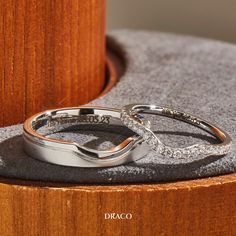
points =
(52, 55)
(195, 207)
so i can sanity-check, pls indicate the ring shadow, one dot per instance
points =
(144, 171)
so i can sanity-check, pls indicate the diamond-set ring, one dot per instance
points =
(129, 116)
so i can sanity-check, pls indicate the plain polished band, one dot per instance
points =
(71, 153)
(129, 118)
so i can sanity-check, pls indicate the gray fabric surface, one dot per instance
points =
(192, 74)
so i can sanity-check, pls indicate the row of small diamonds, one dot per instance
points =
(178, 153)
(220, 149)
(140, 129)
(152, 140)
(194, 151)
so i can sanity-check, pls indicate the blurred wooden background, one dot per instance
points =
(52, 54)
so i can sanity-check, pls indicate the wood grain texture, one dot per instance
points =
(195, 207)
(52, 54)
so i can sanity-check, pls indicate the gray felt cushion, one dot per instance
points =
(192, 74)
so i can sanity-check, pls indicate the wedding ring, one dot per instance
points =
(60, 152)
(129, 118)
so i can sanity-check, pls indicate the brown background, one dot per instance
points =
(52, 55)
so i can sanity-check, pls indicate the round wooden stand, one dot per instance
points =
(196, 207)
(53, 55)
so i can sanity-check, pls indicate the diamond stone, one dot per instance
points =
(135, 127)
(146, 135)
(126, 121)
(161, 149)
(177, 154)
(141, 131)
(187, 152)
(168, 152)
(152, 141)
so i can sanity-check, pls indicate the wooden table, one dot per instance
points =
(53, 55)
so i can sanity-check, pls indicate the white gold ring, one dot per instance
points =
(67, 153)
(129, 118)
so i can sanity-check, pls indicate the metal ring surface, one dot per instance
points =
(71, 153)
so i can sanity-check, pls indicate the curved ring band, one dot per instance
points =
(67, 153)
(128, 117)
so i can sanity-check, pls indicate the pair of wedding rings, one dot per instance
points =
(66, 153)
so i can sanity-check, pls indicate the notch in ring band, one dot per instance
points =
(71, 153)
